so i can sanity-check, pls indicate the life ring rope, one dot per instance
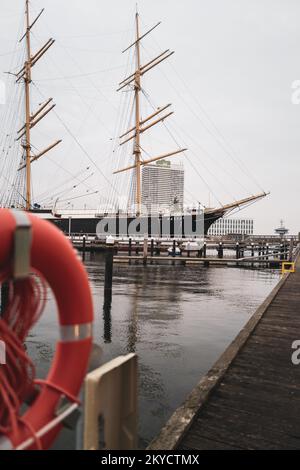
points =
(51, 255)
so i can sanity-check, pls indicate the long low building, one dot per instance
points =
(228, 226)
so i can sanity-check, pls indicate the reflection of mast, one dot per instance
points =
(31, 119)
(107, 321)
(139, 128)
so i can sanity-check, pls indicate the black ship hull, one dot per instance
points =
(177, 226)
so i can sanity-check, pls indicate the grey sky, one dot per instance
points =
(235, 61)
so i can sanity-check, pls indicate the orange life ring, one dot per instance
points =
(53, 256)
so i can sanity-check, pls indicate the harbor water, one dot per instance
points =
(177, 319)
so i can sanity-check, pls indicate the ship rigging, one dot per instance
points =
(19, 193)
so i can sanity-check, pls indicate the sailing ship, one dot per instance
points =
(85, 222)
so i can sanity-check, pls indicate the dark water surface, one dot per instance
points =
(177, 319)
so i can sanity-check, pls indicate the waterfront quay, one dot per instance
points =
(250, 398)
(257, 251)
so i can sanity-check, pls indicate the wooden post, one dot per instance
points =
(204, 250)
(220, 250)
(109, 260)
(267, 252)
(129, 246)
(290, 258)
(83, 247)
(174, 248)
(107, 319)
(252, 249)
(4, 297)
(137, 248)
(152, 247)
(158, 248)
(281, 252)
(237, 255)
(145, 251)
(70, 226)
(286, 255)
(259, 249)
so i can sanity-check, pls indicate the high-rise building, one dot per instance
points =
(228, 226)
(163, 187)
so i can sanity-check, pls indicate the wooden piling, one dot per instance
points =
(145, 251)
(237, 250)
(83, 247)
(109, 260)
(4, 297)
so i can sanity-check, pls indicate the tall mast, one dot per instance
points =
(137, 88)
(27, 81)
(31, 119)
(142, 125)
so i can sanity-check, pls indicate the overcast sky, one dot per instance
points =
(229, 82)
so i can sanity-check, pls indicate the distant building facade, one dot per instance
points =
(163, 187)
(228, 226)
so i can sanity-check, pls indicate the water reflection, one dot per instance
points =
(177, 319)
(107, 330)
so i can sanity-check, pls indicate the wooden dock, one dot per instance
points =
(195, 261)
(250, 399)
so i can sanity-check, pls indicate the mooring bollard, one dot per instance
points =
(109, 260)
(204, 250)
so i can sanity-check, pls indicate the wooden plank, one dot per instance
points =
(250, 399)
(177, 427)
